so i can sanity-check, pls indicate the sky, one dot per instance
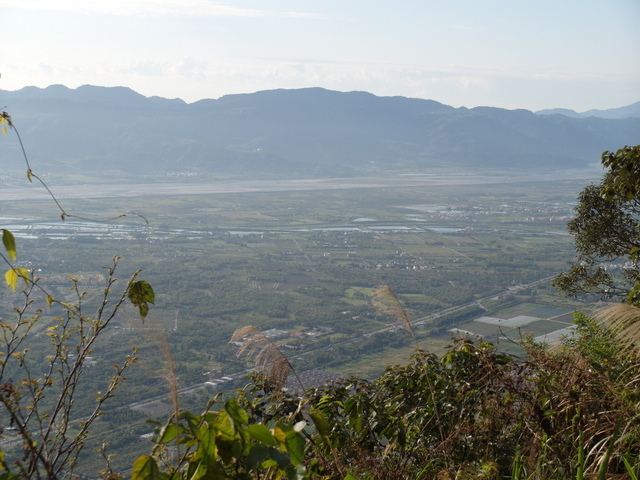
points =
(532, 54)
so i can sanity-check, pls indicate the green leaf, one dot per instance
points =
(257, 453)
(145, 468)
(629, 468)
(320, 421)
(225, 426)
(295, 448)
(238, 415)
(141, 295)
(207, 449)
(9, 243)
(168, 433)
(262, 434)
(282, 459)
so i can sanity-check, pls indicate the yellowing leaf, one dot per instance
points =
(279, 435)
(11, 277)
(145, 468)
(4, 131)
(24, 273)
(9, 243)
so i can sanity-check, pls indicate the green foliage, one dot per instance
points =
(598, 345)
(474, 413)
(9, 243)
(224, 445)
(623, 181)
(141, 295)
(606, 233)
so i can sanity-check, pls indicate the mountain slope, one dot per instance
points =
(292, 133)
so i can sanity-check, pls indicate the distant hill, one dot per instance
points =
(629, 111)
(310, 132)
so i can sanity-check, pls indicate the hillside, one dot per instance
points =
(312, 132)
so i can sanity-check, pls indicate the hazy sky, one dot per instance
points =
(533, 54)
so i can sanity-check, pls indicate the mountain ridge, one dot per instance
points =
(626, 111)
(310, 132)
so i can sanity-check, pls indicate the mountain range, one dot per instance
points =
(628, 111)
(114, 132)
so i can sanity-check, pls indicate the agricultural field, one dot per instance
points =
(303, 265)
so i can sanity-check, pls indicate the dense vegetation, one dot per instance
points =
(473, 413)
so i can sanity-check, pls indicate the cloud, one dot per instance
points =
(145, 68)
(202, 8)
(45, 69)
(463, 81)
(190, 67)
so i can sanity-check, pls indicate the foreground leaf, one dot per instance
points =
(11, 276)
(145, 468)
(9, 243)
(141, 295)
(320, 422)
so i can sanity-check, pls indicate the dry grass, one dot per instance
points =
(386, 302)
(624, 322)
(270, 361)
(169, 376)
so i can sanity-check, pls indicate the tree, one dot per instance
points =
(606, 231)
(40, 380)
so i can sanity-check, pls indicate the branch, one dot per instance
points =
(5, 117)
